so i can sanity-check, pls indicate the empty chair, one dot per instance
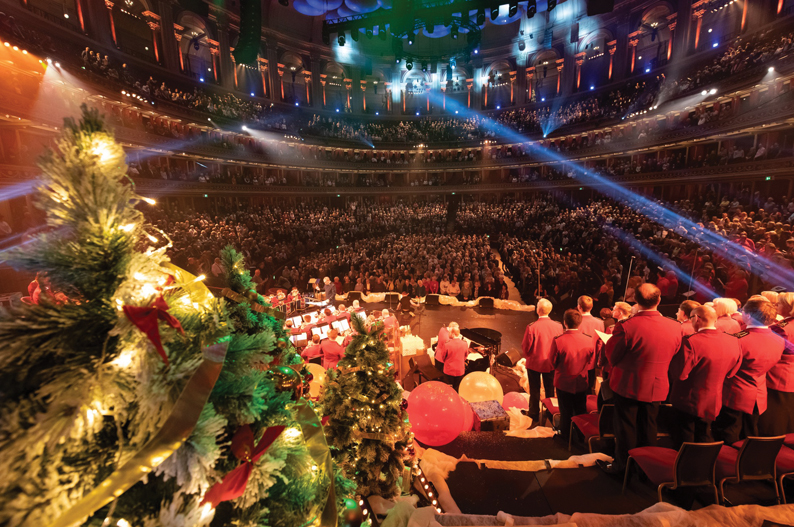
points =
(425, 368)
(754, 461)
(592, 403)
(594, 425)
(789, 441)
(784, 465)
(691, 466)
(551, 411)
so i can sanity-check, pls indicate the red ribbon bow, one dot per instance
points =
(233, 485)
(145, 319)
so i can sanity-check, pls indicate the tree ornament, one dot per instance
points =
(352, 516)
(287, 380)
(404, 404)
(282, 342)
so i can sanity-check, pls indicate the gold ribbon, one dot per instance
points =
(349, 370)
(382, 398)
(314, 435)
(177, 428)
(371, 435)
(259, 308)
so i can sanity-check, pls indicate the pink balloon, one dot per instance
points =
(436, 413)
(468, 415)
(515, 399)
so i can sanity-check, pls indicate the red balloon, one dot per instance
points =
(515, 399)
(468, 415)
(436, 413)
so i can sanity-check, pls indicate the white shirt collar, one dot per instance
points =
(750, 326)
(587, 314)
(710, 327)
(543, 316)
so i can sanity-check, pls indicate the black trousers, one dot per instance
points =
(570, 404)
(690, 429)
(604, 393)
(635, 426)
(732, 425)
(779, 416)
(454, 380)
(534, 378)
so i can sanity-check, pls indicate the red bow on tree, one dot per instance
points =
(233, 485)
(146, 319)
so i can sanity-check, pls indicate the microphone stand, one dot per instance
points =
(628, 277)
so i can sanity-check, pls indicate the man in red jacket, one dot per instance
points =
(684, 312)
(779, 416)
(744, 396)
(440, 353)
(536, 349)
(571, 354)
(639, 353)
(590, 324)
(331, 350)
(312, 350)
(698, 372)
(457, 351)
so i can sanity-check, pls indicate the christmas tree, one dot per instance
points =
(89, 374)
(368, 426)
(122, 367)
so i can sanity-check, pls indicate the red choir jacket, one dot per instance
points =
(571, 355)
(441, 347)
(332, 353)
(311, 351)
(728, 325)
(536, 346)
(761, 350)
(686, 328)
(781, 376)
(589, 326)
(639, 354)
(457, 350)
(432, 287)
(699, 370)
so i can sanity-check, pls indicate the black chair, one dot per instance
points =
(354, 295)
(691, 466)
(427, 371)
(594, 425)
(431, 300)
(753, 461)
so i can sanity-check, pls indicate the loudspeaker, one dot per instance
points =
(486, 302)
(575, 33)
(250, 32)
(392, 297)
(508, 358)
(599, 7)
(431, 300)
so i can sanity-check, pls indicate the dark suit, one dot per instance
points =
(639, 354)
(536, 349)
(698, 372)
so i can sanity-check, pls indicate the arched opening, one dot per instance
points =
(497, 86)
(194, 46)
(294, 79)
(545, 79)
(132, 29)
(653, 41)
(335, 94)
(595, 69)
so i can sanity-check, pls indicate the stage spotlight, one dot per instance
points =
(521, 46)
(512, 9)
(494, 13)
(552, 5)
(410, 41)
(532, 8)
(355, 34)
(409, 65)
(424, 66)
(341, 40)
(285, 3)
(454, 31)
(369, 33)
(480, 17)
(771, 69)
(453, 63)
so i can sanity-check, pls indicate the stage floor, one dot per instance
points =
(511, 324)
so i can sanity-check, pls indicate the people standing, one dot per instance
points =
(331, 350)
(744, 395)
(571, 355)
(455, 365)
(779, 416)
(536, 349)
(440, 354)
(639, 354)
(684, 312)
(698, 371)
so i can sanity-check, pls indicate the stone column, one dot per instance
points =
(612, 47)
(225, 57)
